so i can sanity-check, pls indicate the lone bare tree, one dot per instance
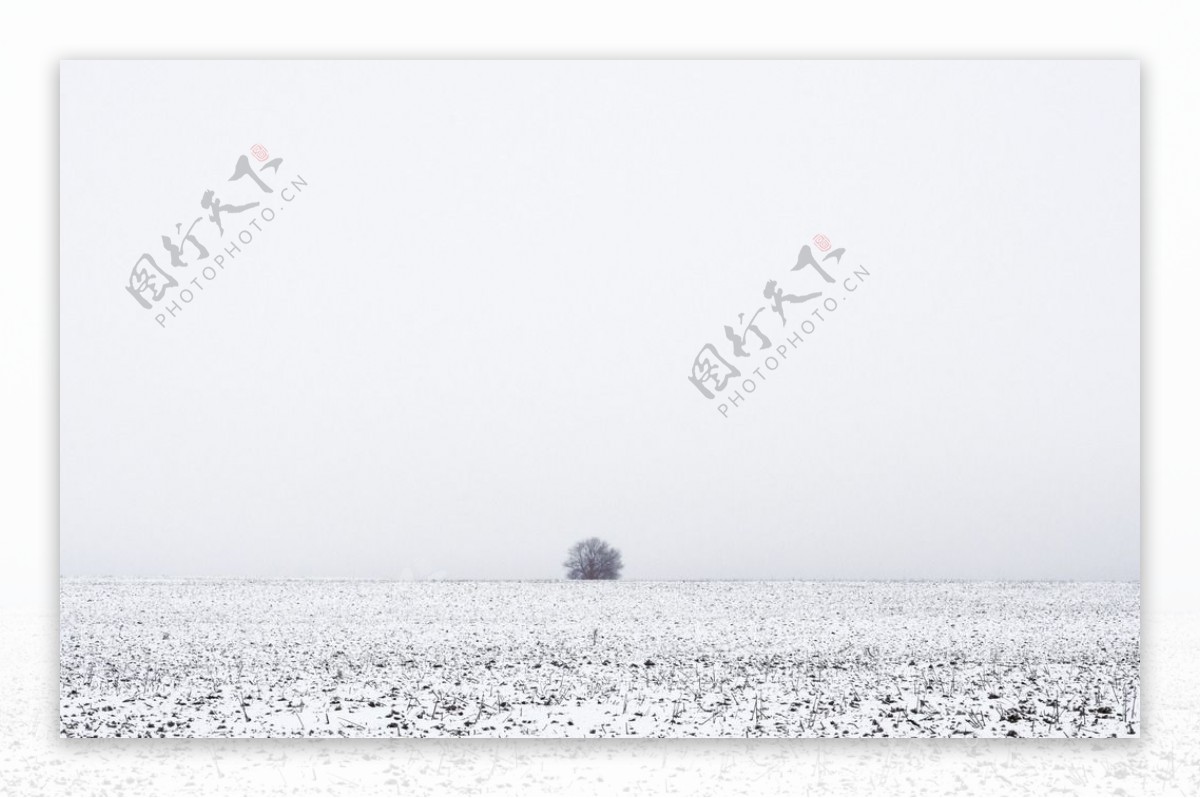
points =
(593, 559)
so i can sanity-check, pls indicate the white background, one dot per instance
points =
(36, 37)
(481, 309)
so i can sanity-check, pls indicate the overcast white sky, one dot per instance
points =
(465, 343)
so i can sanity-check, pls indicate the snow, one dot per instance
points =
(322, 658)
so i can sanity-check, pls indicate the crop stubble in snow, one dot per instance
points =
(237, 658)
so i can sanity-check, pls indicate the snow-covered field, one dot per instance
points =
(237, 658)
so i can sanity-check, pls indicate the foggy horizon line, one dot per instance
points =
(197, 578)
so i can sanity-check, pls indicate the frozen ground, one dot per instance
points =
(199, 658)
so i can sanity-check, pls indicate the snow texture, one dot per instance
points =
(322, 658)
